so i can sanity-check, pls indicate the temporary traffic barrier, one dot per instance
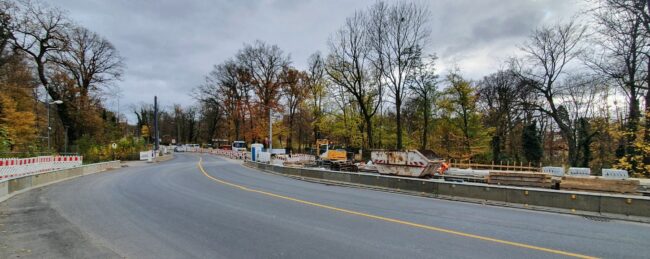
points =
(11, 168)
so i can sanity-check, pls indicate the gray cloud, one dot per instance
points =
(170, 45)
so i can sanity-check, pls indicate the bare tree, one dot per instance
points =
(90, 59)
(548, 52)
(39, 31)
(423, 83)
(317, 85)
(619, 55)
(577, 94)
(501, 97)
(397, 34)
(348, 66)
(223, 87)
(5, 33)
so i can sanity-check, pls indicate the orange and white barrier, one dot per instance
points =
(11, 168)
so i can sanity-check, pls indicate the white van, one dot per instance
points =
(239, 146)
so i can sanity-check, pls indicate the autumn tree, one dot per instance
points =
(17, 113)
(294, 91)
(460, 101)
(91, 62)
(39, 31)
(264, 64)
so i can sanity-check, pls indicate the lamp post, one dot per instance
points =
(49, 127)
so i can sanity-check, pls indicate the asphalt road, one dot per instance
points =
(173, 210)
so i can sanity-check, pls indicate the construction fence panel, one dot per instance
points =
(11, 168)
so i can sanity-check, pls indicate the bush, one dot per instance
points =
(128, 148)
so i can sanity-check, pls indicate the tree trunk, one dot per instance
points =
(646, 130)
(398, 109)
(425, 130)
(633, 122)
(366, 154)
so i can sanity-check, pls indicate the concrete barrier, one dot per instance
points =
(13, 186)
(626, 207)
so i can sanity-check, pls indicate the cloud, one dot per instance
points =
(171, 45)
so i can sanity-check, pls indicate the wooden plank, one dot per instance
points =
(534, 179)
(599, 184)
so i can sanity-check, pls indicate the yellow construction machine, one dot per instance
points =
(333, 159)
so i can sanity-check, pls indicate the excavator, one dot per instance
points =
(332, 159)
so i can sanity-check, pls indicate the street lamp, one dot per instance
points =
(49, 127)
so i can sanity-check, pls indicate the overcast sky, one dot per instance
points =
(170, 45)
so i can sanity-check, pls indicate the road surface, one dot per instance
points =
(176, 210)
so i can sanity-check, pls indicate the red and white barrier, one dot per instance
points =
(279, 159)
(227, 153)
(11, 168)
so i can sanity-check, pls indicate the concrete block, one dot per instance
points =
(386, 182)
(77, 171)
(409, 185)
(340, 177)
(312, 174)
(19, 184)
(557, 199)
(607, 204)
(446, 189)
(4, 188)
(44, 178)
(370, 180)
(625, 206)
(488, 193)
(293, 171)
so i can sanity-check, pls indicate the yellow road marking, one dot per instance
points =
(397, 221)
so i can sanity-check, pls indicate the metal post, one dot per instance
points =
(155, 122)
(65, 149)
(270, 131)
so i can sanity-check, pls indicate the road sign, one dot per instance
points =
(114, 145)
(145, 131)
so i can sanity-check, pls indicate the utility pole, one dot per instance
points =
(49, 126)
(65, 149)
(270, 131)
(155, 122)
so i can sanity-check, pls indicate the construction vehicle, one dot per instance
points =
(332, 159)
(410, 163)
